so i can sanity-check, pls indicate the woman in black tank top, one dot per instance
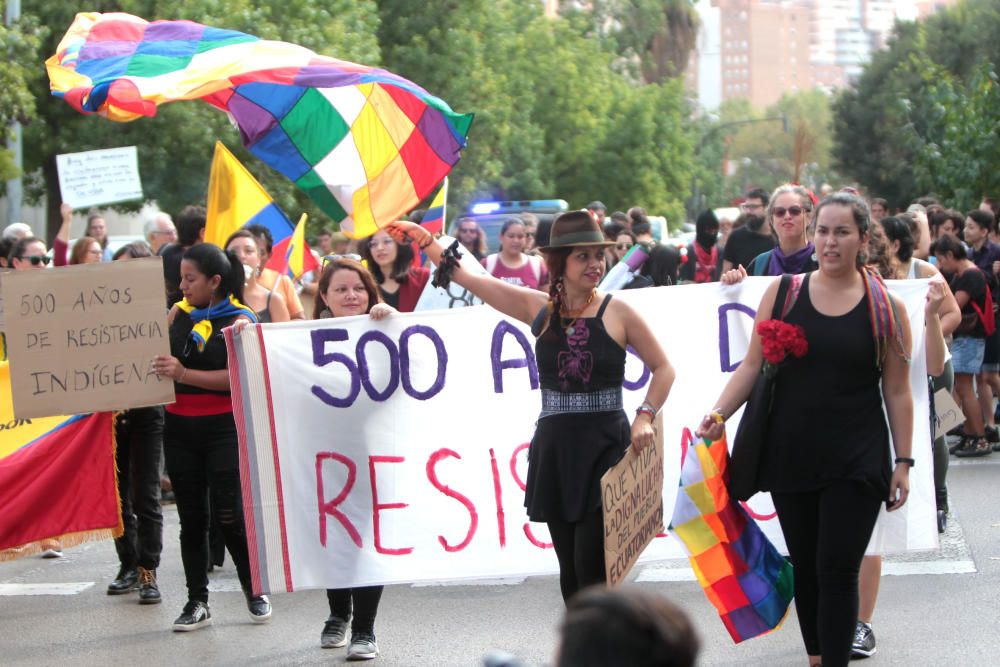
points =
(268, 304)
(827, 462)
(582, 430)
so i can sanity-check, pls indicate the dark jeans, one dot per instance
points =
(365, 601)
(827, 532)
(203, 462)
(139, 435)
(579, 547)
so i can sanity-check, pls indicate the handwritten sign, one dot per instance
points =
(949, 415)
(81, 338)
(632, 498)
(99, 177)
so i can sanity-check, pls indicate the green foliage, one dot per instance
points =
(914, 122)
(554, 117)
(18, 44)
(653, 37)
(954, 132)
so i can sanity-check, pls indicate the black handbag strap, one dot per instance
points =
(788, 292)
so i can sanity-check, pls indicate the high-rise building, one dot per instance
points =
(765, 48)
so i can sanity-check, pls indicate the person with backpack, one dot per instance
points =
(969, 340)
(511, 264)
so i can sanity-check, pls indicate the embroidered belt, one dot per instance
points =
(602, 400)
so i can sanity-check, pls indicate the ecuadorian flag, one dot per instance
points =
(57, 478)
(292, 255)
(434, 217)
(236, 199)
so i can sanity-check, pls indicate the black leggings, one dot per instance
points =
(204, 465)
(365, 601)
(827, 532)
(579, 547)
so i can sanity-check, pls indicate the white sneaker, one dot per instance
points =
(363, 647)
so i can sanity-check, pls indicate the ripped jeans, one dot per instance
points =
(202, 458)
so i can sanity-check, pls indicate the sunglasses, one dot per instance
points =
(333, 258)
(37, 259)
(794, 211)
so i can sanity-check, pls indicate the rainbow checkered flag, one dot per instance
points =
(742, 574)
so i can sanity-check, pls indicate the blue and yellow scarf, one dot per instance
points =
(202, 317)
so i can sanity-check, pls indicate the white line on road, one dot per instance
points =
(45, 589)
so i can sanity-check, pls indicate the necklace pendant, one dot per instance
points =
(570, 330)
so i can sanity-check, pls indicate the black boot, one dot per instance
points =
(126, 581)
(149, 593)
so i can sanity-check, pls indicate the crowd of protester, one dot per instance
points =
(189, 449)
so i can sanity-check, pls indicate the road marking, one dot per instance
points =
(45, 589)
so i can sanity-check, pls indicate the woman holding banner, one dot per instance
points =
(199, 438)
(827, 459)
(580, 348)
(346, 288)
(391, 264)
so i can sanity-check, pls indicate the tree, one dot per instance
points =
(955, 141)
(654, 37)
(18, 43)
(175, 147)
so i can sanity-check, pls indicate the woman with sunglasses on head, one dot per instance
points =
(788, 212)
(581, 337)
(472, 238)
(268, 304)
(391, 264)
(624, 240)
(827, 460)
(199, 440)
(511, 264)
(347, 289)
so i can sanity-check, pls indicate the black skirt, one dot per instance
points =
(568, 455)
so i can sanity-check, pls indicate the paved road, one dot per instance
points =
(949, 618)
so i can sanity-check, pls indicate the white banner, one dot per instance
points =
(395, 451)
(99, 177)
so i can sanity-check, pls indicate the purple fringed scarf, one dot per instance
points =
(794, 263)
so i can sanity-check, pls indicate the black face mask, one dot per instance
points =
(706, 238)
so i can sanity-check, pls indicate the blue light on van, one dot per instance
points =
(485, 208)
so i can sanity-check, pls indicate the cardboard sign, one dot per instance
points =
(949, 414)
(81, 338)
(99, 177)
(632, 498)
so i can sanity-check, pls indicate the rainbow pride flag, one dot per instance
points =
(743, 575)
(57, 479)
(365, 144)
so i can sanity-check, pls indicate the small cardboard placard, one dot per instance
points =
(632, 498)
(99, 177)
(949, 415)
(81, 338)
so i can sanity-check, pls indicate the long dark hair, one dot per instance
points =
(331, 268)
(400, 266)
(213, 261)
(897, 230)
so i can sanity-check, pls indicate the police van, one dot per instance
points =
(491, 215)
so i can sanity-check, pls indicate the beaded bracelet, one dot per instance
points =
(646, 409)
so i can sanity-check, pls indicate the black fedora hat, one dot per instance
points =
(575, 228)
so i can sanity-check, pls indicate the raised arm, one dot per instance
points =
(521, 303)
(60, 245)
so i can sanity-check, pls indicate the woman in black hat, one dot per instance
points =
(581, 338)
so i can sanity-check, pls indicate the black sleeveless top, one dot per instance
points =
(581, 357)
(213, 358)
(827, 423)
(264, 316)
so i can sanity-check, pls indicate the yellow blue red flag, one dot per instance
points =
(434, 217)
(292, 256)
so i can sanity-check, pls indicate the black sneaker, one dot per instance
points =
(259, 608)
(194, 616)
(149, 593)
(334, 633)
(942, 520)
(963, 443)
(363, 646)
(126, 582)
(958, 430)
(992, 435)
(975, 446)
(864, 641)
